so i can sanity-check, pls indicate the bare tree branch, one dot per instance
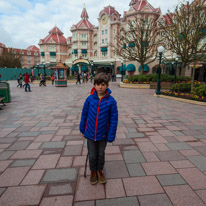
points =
(138, 41)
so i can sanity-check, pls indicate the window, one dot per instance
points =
(28, 53)
(114, 40)
(102, 41)
(105, 41)
(28, 57)
(114, 31)
(84, 55)
(114, 53)
(104, 54)
(102, 32)
(84, 36)
(105, 31)
(84, 43)
(76, 55)
(29, 62)
(52, 47)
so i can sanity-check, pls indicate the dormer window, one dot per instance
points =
(28, 53)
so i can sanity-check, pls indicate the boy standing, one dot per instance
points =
(99, 124)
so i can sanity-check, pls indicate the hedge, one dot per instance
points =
(154, 77)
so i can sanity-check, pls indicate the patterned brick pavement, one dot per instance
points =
(158, 158)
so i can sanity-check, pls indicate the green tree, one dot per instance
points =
(10, 60)
(184, 32)
(138, 41)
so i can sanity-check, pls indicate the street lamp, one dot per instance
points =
(38, 68)
(122, 70)
(44, 68)
(111, 69)
(92, 68)
(176, 61)
(160, 49)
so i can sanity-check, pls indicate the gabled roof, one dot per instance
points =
(2, 45)
(140, 5)
(167, 18)
(55, 36)
(33, 48)
(109, 10)
(84, 23)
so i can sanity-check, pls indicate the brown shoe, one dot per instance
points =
(101, 177)
(93, 178)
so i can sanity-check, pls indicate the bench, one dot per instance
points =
(2, 101)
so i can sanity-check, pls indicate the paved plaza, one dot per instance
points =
(158, 158)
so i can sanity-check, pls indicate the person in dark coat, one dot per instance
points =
(98, 124)
(78, 78)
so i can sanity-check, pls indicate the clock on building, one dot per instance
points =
(104, 19)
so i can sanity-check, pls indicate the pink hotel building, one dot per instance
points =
(93, 43)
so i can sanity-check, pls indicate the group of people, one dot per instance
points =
(26, 80)
(84, 78)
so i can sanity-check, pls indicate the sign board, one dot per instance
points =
(77, 61)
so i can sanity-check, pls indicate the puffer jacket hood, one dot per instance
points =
(99, 117)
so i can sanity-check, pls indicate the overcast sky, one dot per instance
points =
(25, 22)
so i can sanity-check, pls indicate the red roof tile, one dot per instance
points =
(33, 48)
(55, 35)
(109, 10)
(84, 22)
(140, 5)
(2, 45)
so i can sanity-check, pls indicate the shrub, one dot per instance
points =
(154, 77)
(182, 87)
(199, 90)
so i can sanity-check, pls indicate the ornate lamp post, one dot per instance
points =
(122, 70)
(38, 68)
(44, 68)
(160, 49)
(176, 61)
(92, 68)
(111, 69)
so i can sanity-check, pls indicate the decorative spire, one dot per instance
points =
(84, 14)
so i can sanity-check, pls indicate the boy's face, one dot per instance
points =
(101, 88)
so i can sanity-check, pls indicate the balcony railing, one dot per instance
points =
(52, 49)
(83, 39)
(74, 46)
(84, 47)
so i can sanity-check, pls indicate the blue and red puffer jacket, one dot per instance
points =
(99, 117)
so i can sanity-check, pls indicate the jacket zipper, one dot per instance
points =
(95, 136)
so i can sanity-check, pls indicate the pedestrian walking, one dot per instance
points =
(91, 78)
(19, 81)
(78, 78)
(83, 78)
(52, 79)
(98, 124)
(27, 81)
(87, 77)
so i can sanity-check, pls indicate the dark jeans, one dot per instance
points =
(96, 154)
(27, 85)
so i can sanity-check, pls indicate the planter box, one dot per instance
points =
(164, 85)
(135, 86)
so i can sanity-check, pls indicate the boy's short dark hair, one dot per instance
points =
(101, 78)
